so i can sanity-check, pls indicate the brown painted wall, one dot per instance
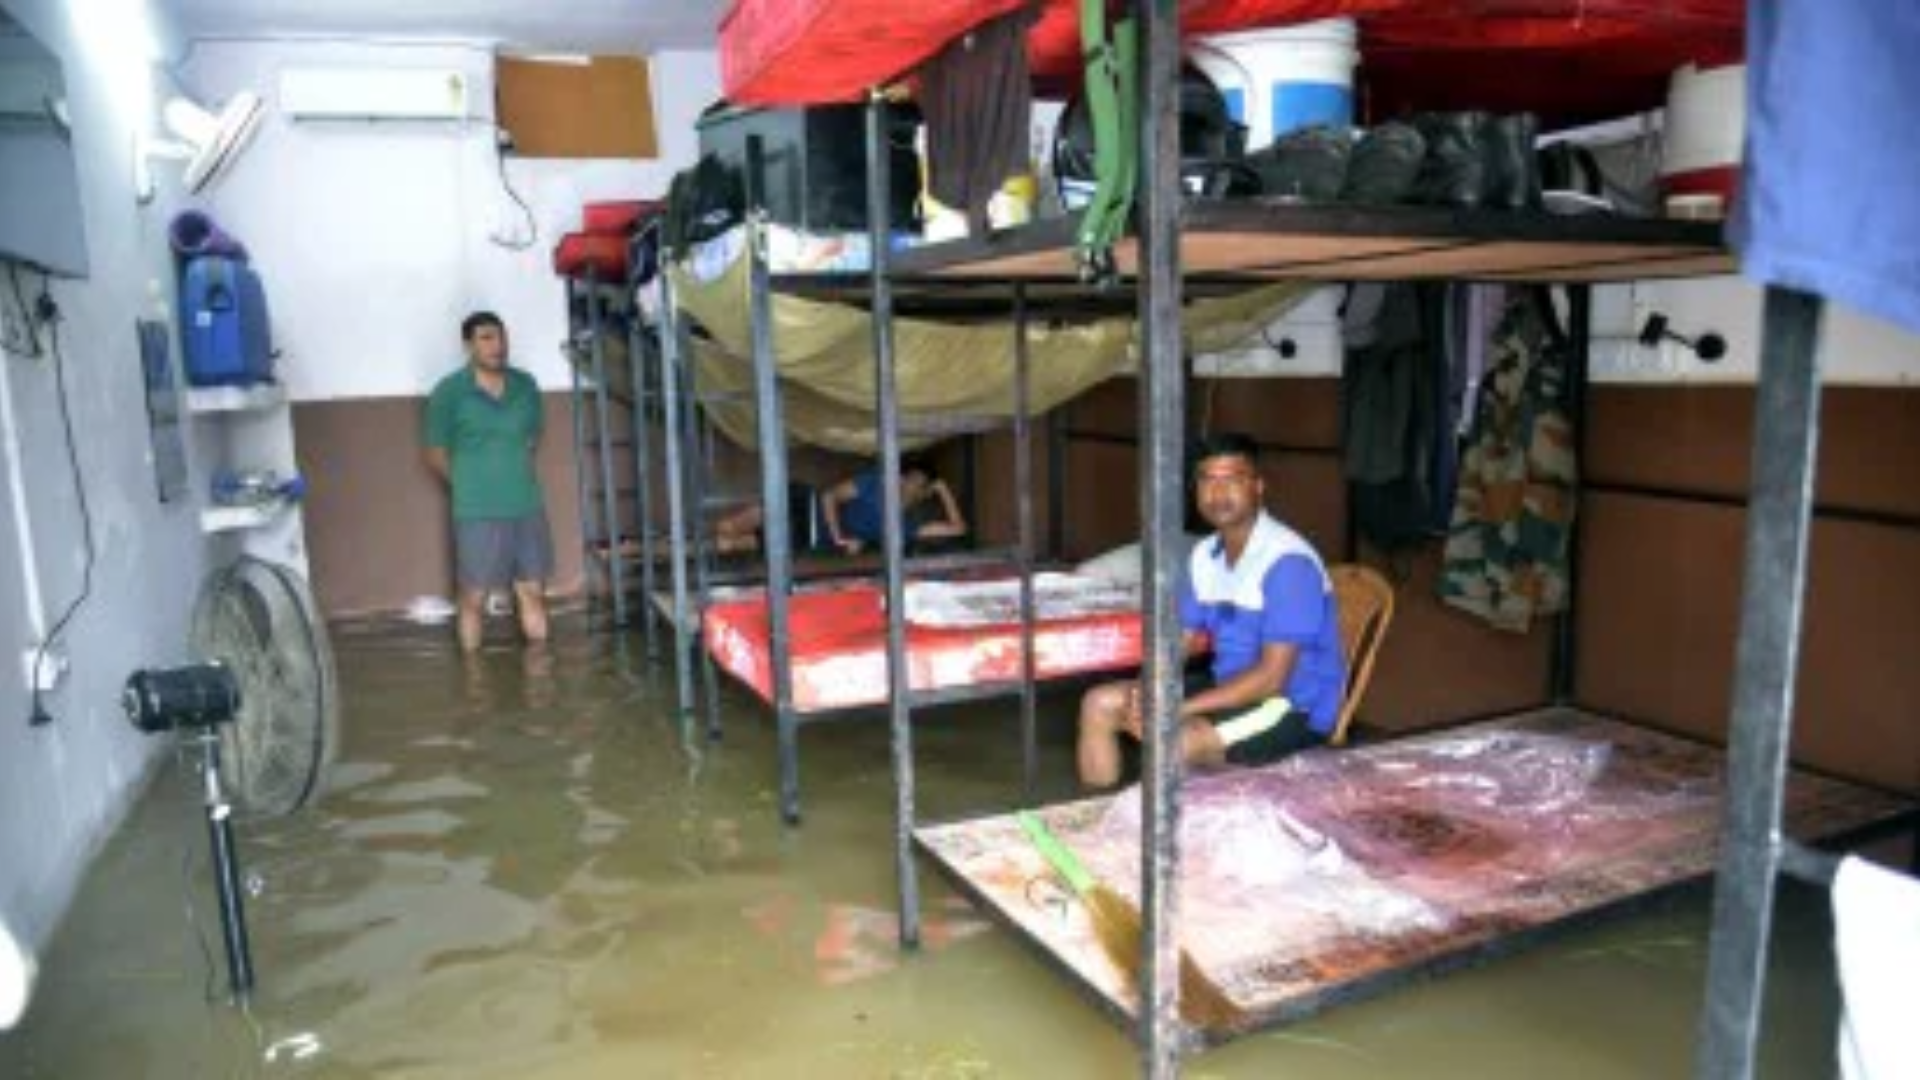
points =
(377, 521)
(378, 526)
(1660, 581)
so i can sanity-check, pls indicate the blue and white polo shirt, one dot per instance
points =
(1278, 593)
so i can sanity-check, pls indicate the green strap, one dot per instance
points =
(1056, 853)
(1112, 92)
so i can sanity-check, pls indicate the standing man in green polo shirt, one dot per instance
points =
(483, 425)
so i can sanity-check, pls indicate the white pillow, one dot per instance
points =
(1123, 563)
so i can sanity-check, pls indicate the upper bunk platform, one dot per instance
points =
(1255, 241)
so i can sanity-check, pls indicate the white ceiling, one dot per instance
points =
(572, 25)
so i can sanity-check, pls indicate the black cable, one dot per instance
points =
(39, 716)
(31, 350)
(500, 137)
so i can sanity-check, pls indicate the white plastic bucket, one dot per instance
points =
(1706, 130)
(1280, 80)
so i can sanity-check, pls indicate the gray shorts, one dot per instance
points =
(495, 553)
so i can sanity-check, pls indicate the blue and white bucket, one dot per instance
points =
(1280, 80)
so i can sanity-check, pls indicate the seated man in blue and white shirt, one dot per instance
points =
(1260, 594)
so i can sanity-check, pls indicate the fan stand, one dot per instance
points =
(226, 868)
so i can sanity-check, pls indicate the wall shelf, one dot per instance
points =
(233, 399)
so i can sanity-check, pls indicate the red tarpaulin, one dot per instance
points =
(1571, 59)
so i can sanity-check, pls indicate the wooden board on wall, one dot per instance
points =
(1663, 649)
(1699, 440)
(599, 109)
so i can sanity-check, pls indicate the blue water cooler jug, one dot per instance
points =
(223, 323)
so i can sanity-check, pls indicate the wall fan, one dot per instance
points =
(208, 142)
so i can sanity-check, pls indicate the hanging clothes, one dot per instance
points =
(977, 97)
(1826, 201)
(1506, 550)
(1392, 401)
(1468, 317)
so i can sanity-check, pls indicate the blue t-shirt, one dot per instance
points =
(862, 517)
(1278, 593)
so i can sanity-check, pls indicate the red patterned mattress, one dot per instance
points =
(840, 653)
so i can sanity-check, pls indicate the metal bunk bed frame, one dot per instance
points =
(596, 445)
(689, 463)
(1753, 852)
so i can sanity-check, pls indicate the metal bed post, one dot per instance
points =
(603, 441)
(893, 529)
(1566, 641)
(970, 482)
(670, 353)
(1786, 440)
(776, 524)
(1023, 524)
(640, 425)
(1162, 428)
(1057, 481)
(583, 499)
(697, 453)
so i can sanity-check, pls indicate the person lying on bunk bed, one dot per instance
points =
(1256, 590)
(853, 509)
(744, 530)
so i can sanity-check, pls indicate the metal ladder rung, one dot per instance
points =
(958, 695)
(937, 425)
(723, 396)
(1007, 558)
(728, 502)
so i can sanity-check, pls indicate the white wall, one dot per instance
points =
(64, 787)
(374, 238)
(1855, 349)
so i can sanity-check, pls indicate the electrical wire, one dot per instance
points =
(39, 716)
(30, 348)
(500, 137)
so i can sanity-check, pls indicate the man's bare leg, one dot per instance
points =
(532, 602)
(1201, 746)
(473, 618)
(1103, 717)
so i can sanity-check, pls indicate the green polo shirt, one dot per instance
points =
(490, 441)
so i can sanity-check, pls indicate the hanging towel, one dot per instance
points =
(1876, 927)
(1826, 202)
(977, 97)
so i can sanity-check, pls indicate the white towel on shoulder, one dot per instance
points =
(1876, 919)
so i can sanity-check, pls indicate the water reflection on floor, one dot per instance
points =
(526, 869)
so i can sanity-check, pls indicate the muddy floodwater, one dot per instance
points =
(525, 868)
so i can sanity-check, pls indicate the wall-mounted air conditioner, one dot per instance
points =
(374, 94)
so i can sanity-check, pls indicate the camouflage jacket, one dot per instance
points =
(1506, 550)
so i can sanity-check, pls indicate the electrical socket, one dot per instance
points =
(48, 671)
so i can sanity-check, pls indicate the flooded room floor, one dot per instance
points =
(524, 870)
